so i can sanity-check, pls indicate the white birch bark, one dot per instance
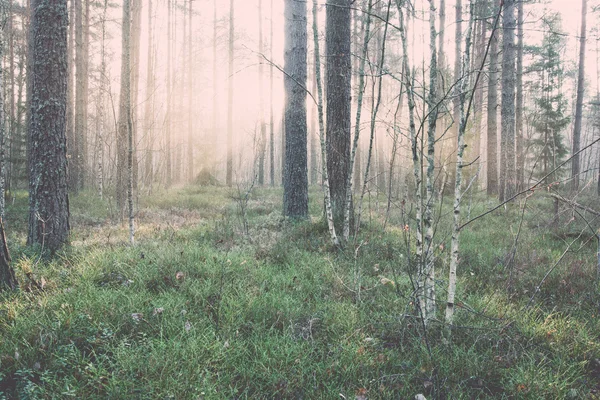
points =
(326, 189)
(454, 250)
(361, 86)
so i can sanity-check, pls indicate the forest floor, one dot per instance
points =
(210, 304)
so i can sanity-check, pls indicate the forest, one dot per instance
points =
(300, 199)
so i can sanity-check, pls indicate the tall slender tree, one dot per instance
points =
(575, 163)
(338, 106)
(149, 106)
(48, 195)
(492, 113)
(507, 112)
(125, 114)
(262, 140)
(229, 172)
(295, 182)
(519, 99)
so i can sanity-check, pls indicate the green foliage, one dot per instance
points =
(197, 309)
(550, 114)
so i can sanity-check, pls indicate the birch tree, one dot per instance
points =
(319, 85)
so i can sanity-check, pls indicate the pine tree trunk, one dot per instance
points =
(168, 122)
(229, 173)
(190, 65)
(8, 279)
(492, 116)
(80, 98)
(124, 113)
(136, 34)
(149, 107)
(271, 113)
(519, 105)
(507, 113)
(575, 168)
(213, 149)
(261, 100)
(71, 137)
(295, 182)
(338, 92)
(48, 197)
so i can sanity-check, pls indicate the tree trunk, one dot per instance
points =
(271, 114)
(169, 172)
(124, 112)
(190, 113)
(428, 305)
(519, 105)
(149, 108)
(492, 116)
(454, 247)
(48, 197)
(136, 34)
(319, 87)
(338, 92)
(262, 142)
(8, 279)
(507, 113)
(575, 168)
(229, 173)
(295, 182)
(80, 97)
(356, 142)
(71, 137)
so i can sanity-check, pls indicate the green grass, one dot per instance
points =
(197, 309)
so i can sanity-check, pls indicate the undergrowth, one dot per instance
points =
(201, 309)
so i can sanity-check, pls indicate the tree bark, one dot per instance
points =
(149, 107)
(229, 173)
(507, 113)
(338, 92)
(519, 105)
(124, 112)
(575, 167)
(48, 196)
(492, 116)
(295, 183)
(319, 87)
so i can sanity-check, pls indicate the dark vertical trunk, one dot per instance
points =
(124, 112)
(507, 113)
(295, 182)
(48, 197)
(80, 101)
(71, 137)
(229, 173)
(575, 168)
(338, 92)
(492, 116)
(519, 105)
(8, 279)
